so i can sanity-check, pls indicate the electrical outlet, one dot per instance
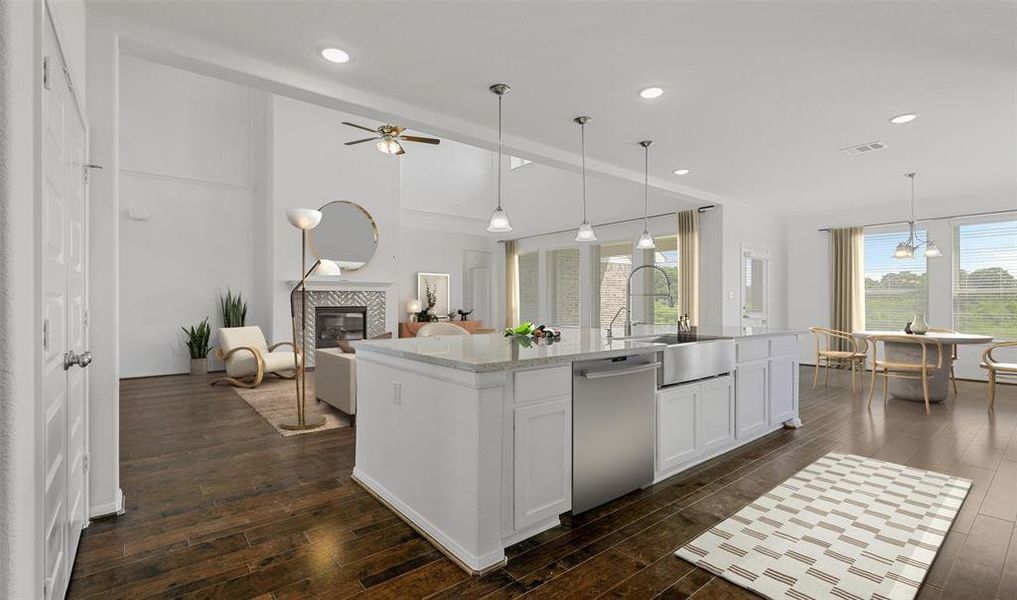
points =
(730, 295)
(397, 392)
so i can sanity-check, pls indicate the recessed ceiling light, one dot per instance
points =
(335, 55)
(651, 92)
(904, 118)
(681, 171)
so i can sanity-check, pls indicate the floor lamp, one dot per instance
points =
(303, 219)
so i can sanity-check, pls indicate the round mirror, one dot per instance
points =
(347, 234)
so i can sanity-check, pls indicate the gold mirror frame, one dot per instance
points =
(370, 219)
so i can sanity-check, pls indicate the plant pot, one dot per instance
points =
(199, 366)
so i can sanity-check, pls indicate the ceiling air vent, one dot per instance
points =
(862, 148)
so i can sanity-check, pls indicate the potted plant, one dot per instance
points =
(430, 299)
(197, 345)
(234, 309)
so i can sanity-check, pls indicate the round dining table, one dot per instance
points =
(939, 382)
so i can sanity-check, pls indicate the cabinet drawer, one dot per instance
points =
(749, 350)
(784, 346)
(540, 384)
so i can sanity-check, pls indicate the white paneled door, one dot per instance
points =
(64, 313)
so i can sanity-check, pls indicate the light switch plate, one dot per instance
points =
(397, 392)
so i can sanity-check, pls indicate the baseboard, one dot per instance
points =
(474, 565)
(109, 509)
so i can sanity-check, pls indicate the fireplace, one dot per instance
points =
(334, 323)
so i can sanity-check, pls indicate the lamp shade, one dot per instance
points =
(413, 306)
(585, 233)
(646, 241)
(499, 222)
(932, 250)
(328, 267)
(304, 218)
(904, 250)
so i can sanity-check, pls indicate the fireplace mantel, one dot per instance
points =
(342, 285)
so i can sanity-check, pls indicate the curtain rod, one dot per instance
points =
(962, 216)
(700, 210)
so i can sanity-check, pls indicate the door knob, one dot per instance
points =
(72, 358)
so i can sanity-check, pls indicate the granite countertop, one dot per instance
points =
(493, 352)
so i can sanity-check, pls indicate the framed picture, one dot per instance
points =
(438, 283)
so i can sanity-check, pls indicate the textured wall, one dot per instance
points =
(6, 375)
(374, 301)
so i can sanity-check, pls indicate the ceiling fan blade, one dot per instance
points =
(361, 141)
(423, 140)
(360, 127)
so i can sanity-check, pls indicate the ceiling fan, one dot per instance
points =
(389, 137)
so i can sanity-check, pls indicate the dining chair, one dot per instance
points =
(953, 355)
(903, 369)
(994, 367)
(828, 352)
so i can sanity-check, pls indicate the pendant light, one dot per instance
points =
(646, 240)
(906, 249)
(585, 233)
(499, 222)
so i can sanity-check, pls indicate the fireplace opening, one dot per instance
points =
(334, 323)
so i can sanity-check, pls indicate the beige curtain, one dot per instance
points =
(511, 284)
(688, 264)
(847, 295)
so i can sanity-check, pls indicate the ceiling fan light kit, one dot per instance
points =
(499, 222)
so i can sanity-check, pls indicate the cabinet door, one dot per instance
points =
(543, 461)
(783, 372)
(716, 413)
(752, 393)
(677, 416)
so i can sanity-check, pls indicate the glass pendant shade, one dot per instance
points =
(585, 233)
(328, 267)
(304, 218)
(499, 222)
(389, 146)
(932, 250)
(646, 241)
(904, 250)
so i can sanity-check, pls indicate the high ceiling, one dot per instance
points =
(758, 96)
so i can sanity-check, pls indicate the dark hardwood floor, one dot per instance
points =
(221, 506)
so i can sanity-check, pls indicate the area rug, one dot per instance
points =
(276, 399)
(844, 527)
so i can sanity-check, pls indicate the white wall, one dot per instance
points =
(808, 283)
(188, 200)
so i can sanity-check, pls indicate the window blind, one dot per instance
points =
(985, 279)
(895, 288)
(529, 288)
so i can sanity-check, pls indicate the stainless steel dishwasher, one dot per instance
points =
(612, 428)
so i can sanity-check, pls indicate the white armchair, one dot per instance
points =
(248, 357)
(440, 328)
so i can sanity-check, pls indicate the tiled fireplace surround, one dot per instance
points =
(374, 300)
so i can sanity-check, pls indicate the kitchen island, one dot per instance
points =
(470, 438)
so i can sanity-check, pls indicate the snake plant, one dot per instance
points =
(197, 339)
(234, 309)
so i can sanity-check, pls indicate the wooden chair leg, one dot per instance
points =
(815, 377)
(992, 389)
(826, 378)
(925, 393)
(953, 380)
(872, 386)
(886, 387)
(853, 388)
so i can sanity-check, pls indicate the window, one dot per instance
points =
(665, 256)
(985, 279)
(754, 267)
(563, 286)
(515, 162)
(895, 288)
(529, 288)
(615, 266)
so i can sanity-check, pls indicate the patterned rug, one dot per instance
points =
(844, 527)
(276, 399)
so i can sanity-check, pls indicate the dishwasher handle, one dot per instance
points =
(604, 373)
